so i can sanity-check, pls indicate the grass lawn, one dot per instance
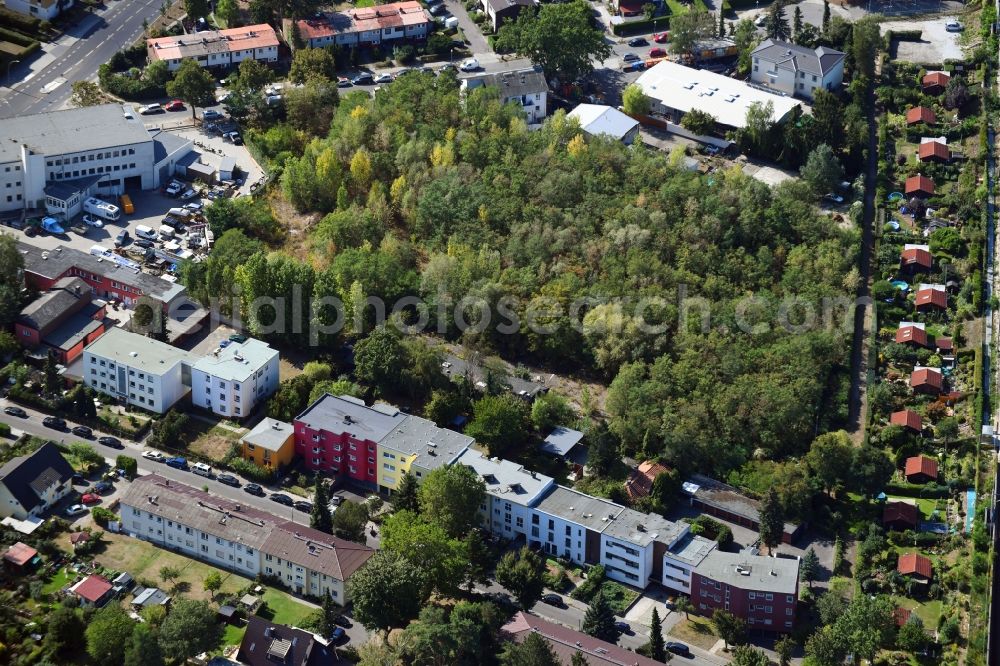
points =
(57, 582)
(619, 596)
(144, 560)
(696, 631)
(283, 609)
(233, 635)
(364, 3)
(208, 440)
(928, 612)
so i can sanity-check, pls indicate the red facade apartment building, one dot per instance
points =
(763, 591)
(340, 435)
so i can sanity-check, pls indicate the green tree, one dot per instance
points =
(108, 634)
(406, 497)
(866, 626)
(826, 16)
(797, 24)
(309, 64)
(865, 41)
(450, 497)
(86, 454)
(189, 629)
(53, 382)
(143, 648)
(522, 572)
(550, 410)
(534, 651)
(871, 469)
(746, 38)
(445, 405)
(169, 573)
(822, 169)
(776, 24)
(327, 614)
(441, 558)
(829, 458)
(947, 430)
(437, 639)
(197, 8)
(319, 517)
(912, 637)
(827, 127)
(825, 648)
(657, 646)
(379, 359)
(350, 520)
(213, 582)
(386, 592)
(87, 93)
(635, 102)
(688, 29)
(757, 135)
(228, 12)
(772, 519)
(559, 38)
(578, 659)
(500, 423)
(683, 605)
(784, 647)
(65, 632)
(252, 77)
(699, 122)
(809, 569)
(128, 464)
(744, 655)
(730, 628)
(193, 84)
(599, 620)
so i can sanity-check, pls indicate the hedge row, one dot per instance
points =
(914, 490)
(19, 21)
(636, 27)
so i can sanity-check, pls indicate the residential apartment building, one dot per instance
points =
(231, 381)
(239, 538)
(567, 643)
(62, 321)
(797, 70)
(45, 10)
(216, 48)
(270, 444)
(501, 11)
(762, 590)
(107, 280)
(32, 483)
(141, 371)
(372, 446)
(368, 26)
(525, 87)
(54, 160)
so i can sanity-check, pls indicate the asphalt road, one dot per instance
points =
(44, 82)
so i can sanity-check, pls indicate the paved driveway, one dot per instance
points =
(934, 46)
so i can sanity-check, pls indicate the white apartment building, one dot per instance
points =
(239, 538)
(525, 87)
(45, 10)
(232, 380)
(216, 48)
(797, 70)
(55, 160)
(142, 371)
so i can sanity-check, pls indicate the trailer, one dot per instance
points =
(102, 209)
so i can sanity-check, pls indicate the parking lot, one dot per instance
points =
(935, 46)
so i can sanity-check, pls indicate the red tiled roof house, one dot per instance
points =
(933, 151)
(911, 333)
(20, 555)
(920, 114)
(921, 469)
(916, 259)
(908, 419)
(640, 481)
(930, 298)
(927, 380)
(934, 83)
(900, 516)
(915, 566)
(919, 186)
(93, 590)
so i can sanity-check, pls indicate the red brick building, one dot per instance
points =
(339, 436)
(63, 320)
(762, 591)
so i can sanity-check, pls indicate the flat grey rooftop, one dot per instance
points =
(644, 528)
(269, 434)
(71, 131)
(238, 361)
(344, 414)
(138, 351)
(432, 446)
(561, 440)
(507, 480)
(692, 549)
(759, 573)
(591, 512)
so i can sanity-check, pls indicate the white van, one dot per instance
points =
(166, 231)
(451, 22)
(182, 213)
(201, 469)
(142, 231)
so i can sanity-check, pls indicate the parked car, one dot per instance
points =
(174, 105)
(103, 487)
(553, 600)
(661, 37)
(150, 109)
(195, 206)
(177, 462)
(833, 198)
(383, 78)
(122, 238)
(54, 422)
(282, 499)
(677, 648)
(343, 82)
(90, 498)
(254, 489)
(953, 26)
(657, 53)
(337, 635)
(303, 505)
(469, 65)
(438, 10)
(623, 627)
(363, 79)
(238, 338)
(336, 500)
(173, 189)
(144, 242)
(228, 479)
(190, 193)
(342, 621)
(637, 42)
(78, 479)
(630, 57)
(211, 114)
(153, 455)
(92, 221)
(113, 442)
(76, 510)
(15, 411)
(82, 431)
(760, 21)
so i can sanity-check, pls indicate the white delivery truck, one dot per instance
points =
(102, 209)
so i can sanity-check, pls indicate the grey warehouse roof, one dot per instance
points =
(269, 434)
(798, 58)
(774, 574)
(138, 351)
(48, 308)
(71, 131)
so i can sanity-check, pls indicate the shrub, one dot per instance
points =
(103, 516)
(250, 470)
(4, 430)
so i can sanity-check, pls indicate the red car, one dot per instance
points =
(175, 105)
(90, 498)
(657, 53)
(661, 37)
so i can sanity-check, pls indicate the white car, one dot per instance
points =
(92, 221)
(760, 20)
(195, 206)
(150, 108)
(173, 189)
(383, 78)
(469, 65)
(153, 455)
(76, 510)
(953, 26)
(834, 198)
(189, 194)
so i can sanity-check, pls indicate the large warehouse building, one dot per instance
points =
(55, 160)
